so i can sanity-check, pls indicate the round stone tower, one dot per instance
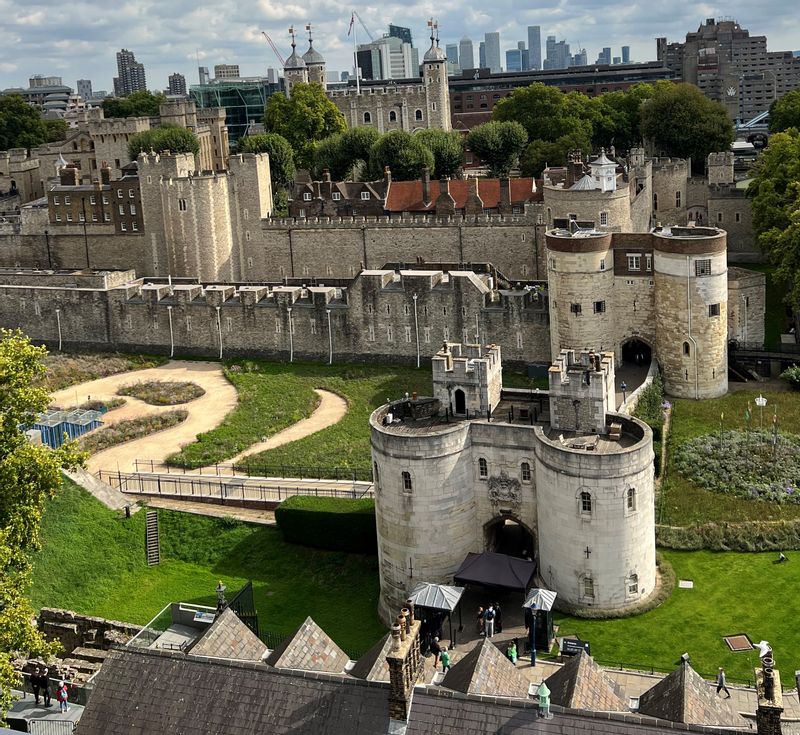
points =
(437, 91)
(315, 63)
(580, 274)
(294, 70)
(691, 310)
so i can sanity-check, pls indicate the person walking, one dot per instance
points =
(436, 650)
(498, 618)
(44, 685)
(36, 683)
(62, 695)
(445, 660)
(511, 652)
(481, 627)
(721, 683)
(489, 620)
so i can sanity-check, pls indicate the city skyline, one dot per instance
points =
(168, 39)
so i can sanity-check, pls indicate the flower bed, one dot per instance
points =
(131, 429)
(163, 392)
(745, 464)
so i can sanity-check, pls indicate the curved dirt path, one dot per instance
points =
(205, 412)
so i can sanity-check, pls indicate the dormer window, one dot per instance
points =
(336, 196)
(365, 195)
(306, 197)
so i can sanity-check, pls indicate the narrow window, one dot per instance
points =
(392, 116)
(367, 117)
(575, 309)
(418, 115)
(586, 502)
(407, 484)
(599, 307)
(713, 309)
(719, 216)
(686, 349)
(483, 468)
(526, 471)
(602, 264)
(427, 332)
(702, 267)
(588, 587)
(603, 219)
(677, 199)
(633, 584)
(630, 498)
(648, 262)
(389, 334)
(408, 334)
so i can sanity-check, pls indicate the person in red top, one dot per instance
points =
(62, 695)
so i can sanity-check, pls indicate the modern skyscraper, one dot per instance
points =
(534, 47)
(492, 51)
(451, 51)
(85, 89)
(176, 84)
(482, 55)
(226, 71)
(388, 58)
(466, 54)
(517, 58)
(558, 56)
(626, 54)
(130, 74)
(579, 59)
(604, 57)
(202, 73)
(404, 34)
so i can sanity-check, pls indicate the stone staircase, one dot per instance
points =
(152, 546)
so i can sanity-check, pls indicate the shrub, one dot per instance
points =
(792, 376)
(746, 536)
(126, 431)
(64, 370)
(745, 464)
(335, 524)
(99, 405)
(163, 392)
(650, 406)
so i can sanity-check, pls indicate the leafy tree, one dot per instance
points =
(56, 130)
(498, 145)
(784, 113)
(136, 104)
(281, 156)
(447, 148)
(775, 191)
(623, 111)
(166, 138)
(21, 126)
(303, 119)
(540, 153)
(29, 475)
(681, 121)
(342, 153)
(402, 153)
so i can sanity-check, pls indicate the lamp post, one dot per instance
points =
(47, 245)
(623, 386)
(761, 402)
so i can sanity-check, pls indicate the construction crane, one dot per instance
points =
(274, 49)
(364, 26)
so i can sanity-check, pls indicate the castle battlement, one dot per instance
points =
(394, 90)
(404, 220)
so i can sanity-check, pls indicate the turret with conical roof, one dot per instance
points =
(294, 70)
(434, 75)
(314, 61)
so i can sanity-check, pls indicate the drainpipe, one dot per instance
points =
(692, 339)
(477, 329)
(416, 326)
(330, 338)
(58, 322)
(291, 337)
(171, 333)
(219, 331)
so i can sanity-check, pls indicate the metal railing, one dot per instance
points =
(220, 489)
(299, 472)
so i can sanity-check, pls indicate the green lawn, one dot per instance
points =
(92, 561)
(273, 396)
(733, 593)
(684, 503)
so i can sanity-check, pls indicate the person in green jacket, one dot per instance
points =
(445, 659)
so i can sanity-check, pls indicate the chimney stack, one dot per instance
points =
(426, 186)
(505, 195)
(405, 666)
(770, 698)
(70, 175)
(105, 174)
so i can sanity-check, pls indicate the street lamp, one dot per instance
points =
(624, 388)
(761, 402)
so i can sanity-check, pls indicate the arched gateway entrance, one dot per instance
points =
(636, 352)
(507, 535)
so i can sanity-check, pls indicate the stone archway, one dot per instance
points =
(506, 534)
(460, 401)
(635, 351)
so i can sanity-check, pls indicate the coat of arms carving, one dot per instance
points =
(504, 490)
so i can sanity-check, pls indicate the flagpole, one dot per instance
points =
(355, 53)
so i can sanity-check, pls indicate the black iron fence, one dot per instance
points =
(298, 472)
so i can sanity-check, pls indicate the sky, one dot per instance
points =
(79, 39)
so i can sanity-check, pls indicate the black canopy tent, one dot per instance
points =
(440, 598)
(496, 570)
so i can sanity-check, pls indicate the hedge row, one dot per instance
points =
(334, 524)
(747, 536)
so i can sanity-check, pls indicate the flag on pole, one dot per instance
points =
(352, 20)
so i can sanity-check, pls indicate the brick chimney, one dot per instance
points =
(426, 186)
(387, 175)
(405, 664)
(70, 175)
(473, 204)
(445, 204)
(105, 173)
(505, 196)
(575, 168)
(770, 698)
(326, 175)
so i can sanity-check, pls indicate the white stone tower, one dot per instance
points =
(294, 70)
(434, 77)
(315, 63)
(604, 172)
(691, 309)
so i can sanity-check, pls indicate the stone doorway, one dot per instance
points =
(460, 402)
(636, 352)
(507, 535)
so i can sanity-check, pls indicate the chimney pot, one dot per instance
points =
(396, 637)
(401, 621)
(405, 613)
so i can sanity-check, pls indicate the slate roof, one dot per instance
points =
(145, 692)
(684, 696)
(228, 637)
(585, 183)
(582, 684)
(486, 670)
(372, 666)
(406, 196)
(450, 713)
(309, 648)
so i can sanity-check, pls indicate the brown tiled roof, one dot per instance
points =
(485, 670)
(406, 196)
(156, 692)
(582, 684)
(684, 696)
(228, 637)
(309, 648)
(372, 666)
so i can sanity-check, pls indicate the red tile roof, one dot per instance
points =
(406, 196)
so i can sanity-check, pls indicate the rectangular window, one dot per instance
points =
(677, 199)
(634, 262)
(427, 332)
(336, 196)
(278, 326)
(92, 199)
(371, 333)
(365, 195)
(302, 213)
(130, 193)
(119, 194)
(602, 264)
(603, 219)
(306, 197)
(648, 262)
(58, 217)
(719, 216)
(228, 324)
(122, 210)
(588, 587)
(122, 227)
(713, 309)
(575, 309)
(313, 324)
(408, 334)
(702, 267)
(519, 340)
(599, 307)
(105, 199)
(69, 216)
(133, 209)
(446, 334)
(55, 200)
(188, 324)
(67, 200)
(81, 217)
(94, 216)
(106, 217)
(134, 227)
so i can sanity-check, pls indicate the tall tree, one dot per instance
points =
(56, 130)
(402, 153)
(498, 145)
(281, 156)
(541, 153)
(29, 475)
(345, 153)
(620, 122)
(447, 148)
(784, 113)
(136, 104)
(775, 191)
(679, 120)
(166, 138)
(303, 119)
(21, 126)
